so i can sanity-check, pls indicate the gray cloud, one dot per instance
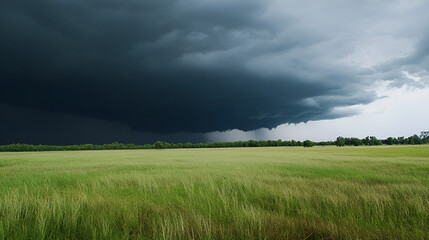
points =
(21, 125)
(200, 66)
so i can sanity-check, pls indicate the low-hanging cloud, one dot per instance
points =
(199, 66)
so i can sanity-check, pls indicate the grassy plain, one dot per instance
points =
(242, 193)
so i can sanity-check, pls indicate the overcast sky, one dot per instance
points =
(98, 71)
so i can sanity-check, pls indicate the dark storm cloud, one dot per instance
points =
(21, 125)
(184, 66)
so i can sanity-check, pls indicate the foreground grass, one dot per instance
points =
(244, 193)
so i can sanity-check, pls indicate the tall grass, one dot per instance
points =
(257, 193)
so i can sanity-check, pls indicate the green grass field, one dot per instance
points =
(242, 193)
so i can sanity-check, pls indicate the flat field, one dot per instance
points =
(237, 193)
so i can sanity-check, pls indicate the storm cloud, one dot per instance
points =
(197, 66)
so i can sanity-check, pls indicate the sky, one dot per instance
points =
(138, 71)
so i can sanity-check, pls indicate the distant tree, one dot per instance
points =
(252, 143)
(395, 141)
(308, 143)
(340, 142)
(374, 141)
(355, 141)
(414, 139)
(158, 145)
(187, 145)
(366, 141)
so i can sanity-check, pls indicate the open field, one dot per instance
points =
(242, 193)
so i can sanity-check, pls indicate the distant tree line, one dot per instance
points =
(157, 145)
(340, 141)
(373, 141)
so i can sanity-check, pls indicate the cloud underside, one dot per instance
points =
(201, 66)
